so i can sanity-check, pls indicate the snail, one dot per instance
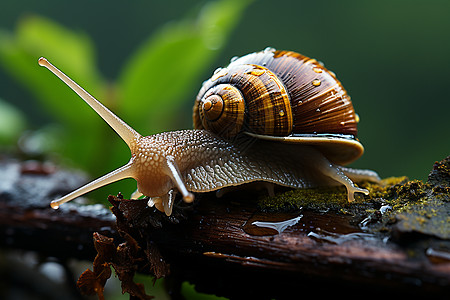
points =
(272, 116)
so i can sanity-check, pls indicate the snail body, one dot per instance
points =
(270, 116)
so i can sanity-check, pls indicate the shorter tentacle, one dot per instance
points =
(175, 175)
(163, 203)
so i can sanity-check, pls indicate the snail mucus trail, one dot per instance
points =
(198, 160)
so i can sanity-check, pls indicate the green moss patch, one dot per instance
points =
(394, 204)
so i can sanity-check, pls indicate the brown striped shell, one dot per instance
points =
(281, 96)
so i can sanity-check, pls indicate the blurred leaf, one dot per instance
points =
(40, 142)
(168, 65)
(12, 123)
(73, 53)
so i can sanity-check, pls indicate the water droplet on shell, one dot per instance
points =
(316, 82)
(317, 70)
(257, 72)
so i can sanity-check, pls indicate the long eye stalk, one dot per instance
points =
(128, 134)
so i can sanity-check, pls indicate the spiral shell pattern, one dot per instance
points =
(274, 93)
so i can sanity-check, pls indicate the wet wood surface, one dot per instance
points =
(216, 246)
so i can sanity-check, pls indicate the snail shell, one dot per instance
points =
(281, 96)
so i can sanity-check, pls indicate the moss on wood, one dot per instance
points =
(394, 204)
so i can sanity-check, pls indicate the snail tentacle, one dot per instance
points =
(175, 175)
(161, 203)
(164, 203)
(125, 171)
(125, 131)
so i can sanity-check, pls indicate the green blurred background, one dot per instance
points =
(391, 55)
(146, 60)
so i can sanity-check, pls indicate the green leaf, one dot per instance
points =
(12, 123)
(73, 53)
(70, 51)
(166, 69)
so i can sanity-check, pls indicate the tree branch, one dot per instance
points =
(216, 245)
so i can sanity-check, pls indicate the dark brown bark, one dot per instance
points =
(214, 245)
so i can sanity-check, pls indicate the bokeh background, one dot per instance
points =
(391, 55)
(146, 60)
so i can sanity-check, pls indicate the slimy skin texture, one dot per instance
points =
(208, 163)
